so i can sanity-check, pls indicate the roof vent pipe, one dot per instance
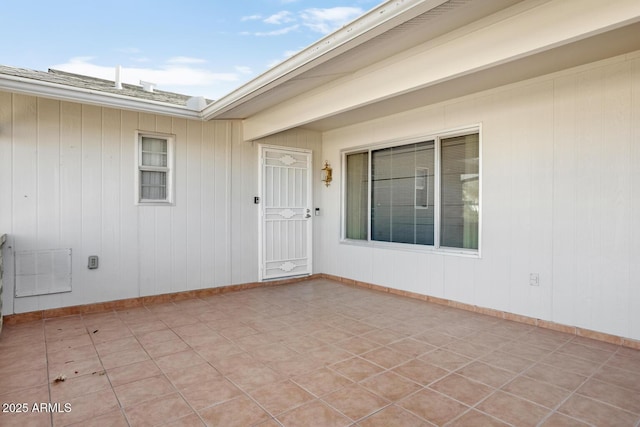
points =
(147, 86)
(118, 81)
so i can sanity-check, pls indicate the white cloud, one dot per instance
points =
(175, 76)
(276, 32)
(243, 69)
(327, 20)
(251, 18)
(185, 60)
(282, 17)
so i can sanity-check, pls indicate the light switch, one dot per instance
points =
(93, 262)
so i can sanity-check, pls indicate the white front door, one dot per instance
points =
(285, 214)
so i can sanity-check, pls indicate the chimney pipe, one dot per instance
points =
(118, 81)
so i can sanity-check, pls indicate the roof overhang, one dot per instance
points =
(469, 53)
(22, 85)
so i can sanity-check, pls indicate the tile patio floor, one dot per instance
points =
(316, 353)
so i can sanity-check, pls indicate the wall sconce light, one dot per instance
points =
(326, 173)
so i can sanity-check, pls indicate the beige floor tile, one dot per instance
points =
(315, 413)
(293, 347)
(208, 392)
(76, 353)
(584, 352)
(23, 379)
(104, 335)
(487, 374)
(239, 412)
(158, 411)
(384, 336)
(541, 393)
(192, 420)
(144, 326)
(272, 353)
(356, 369)
(620, 361)
(611, 394)
(560, 420)
(620, 377)
(433, 407)
(253, 377)
(513, 410)
(78, 386)
(386, 357)
(296, 365)
(87, 407)
(463, 389)
(392, 416)
(123, 358)
(111, 419)
(123, 344)
(133, 372)
(525, 350)
(391, 386)
(156, 337)
(555, 376)
(69, 343)
(133, 393)
(474, 418)
(164, 348)
(322, 381)
(329, 354)
(597, 413)
(507, 361)
(411, 347)
(357, 345)
(420, 372)
(26, 419)
(355, 401)
(468, 349)
(280, 397)
(179, 360)
(19, 409)
(190, 375)
(445, 359)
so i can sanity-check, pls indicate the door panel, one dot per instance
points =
(285, 213)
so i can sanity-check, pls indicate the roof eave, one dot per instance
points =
(88, 96)
(353, 34)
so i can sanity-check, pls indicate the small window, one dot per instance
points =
(419, 193)
(155, 164)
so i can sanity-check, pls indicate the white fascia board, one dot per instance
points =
(382, 17)
(45, 89)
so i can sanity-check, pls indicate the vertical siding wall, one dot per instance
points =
(67, 181)
(560, 197)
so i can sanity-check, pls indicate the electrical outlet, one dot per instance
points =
(534, 279)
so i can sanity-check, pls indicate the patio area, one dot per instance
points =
(315, 353)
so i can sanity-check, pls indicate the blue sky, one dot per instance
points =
(195, 47)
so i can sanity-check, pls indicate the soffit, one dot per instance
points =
(429, 25)
(607, 45)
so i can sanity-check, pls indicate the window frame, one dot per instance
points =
(169, 169)
(437, 137)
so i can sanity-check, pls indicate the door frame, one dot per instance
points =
(261, 209)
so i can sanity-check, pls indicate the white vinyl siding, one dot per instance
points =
(155, 162)
(391, 193)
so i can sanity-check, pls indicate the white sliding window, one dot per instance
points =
(419, 193)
